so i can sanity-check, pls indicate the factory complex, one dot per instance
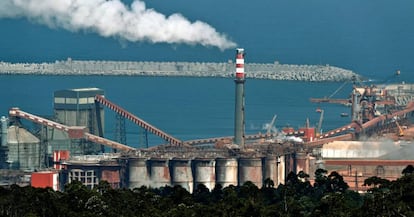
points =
(71, 145)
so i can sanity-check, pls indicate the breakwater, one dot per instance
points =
(273, 71)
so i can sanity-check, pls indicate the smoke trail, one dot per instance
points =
(112, 18)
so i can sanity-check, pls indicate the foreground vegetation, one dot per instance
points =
(328, 196)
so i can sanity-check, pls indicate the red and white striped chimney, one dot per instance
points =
(240, 63)
(239, 101)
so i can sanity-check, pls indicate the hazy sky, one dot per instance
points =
(370, 37)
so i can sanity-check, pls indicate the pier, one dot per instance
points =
(271, 71)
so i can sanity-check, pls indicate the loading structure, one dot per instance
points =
(74, 132)
(99, 99)
(376, 124)
(138, 121)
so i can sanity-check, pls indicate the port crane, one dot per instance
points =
(329, 99)
(318, 130)
(270, 125)
(400, 130)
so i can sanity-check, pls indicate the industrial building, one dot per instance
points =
(76, 107)
(70, 145)
(23, 149)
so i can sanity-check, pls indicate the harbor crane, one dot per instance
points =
(400, 130)
(329, 99)
(318, 130)
(270, 125)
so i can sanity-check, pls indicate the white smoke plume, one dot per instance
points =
(112, 18)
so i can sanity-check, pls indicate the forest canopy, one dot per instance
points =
(327, 196)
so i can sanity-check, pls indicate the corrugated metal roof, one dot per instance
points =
(405, 153)
(17, 135)
(85, 89)
(80, 92)
(358, 149)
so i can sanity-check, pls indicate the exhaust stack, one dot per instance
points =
(239, 102)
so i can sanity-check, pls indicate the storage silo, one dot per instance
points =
(76, 107)
(23, 149)
(3, 145)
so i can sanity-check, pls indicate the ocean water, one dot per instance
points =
(186, 108)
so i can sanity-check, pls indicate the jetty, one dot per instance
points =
(272, 71)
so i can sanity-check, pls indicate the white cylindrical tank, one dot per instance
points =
(160, 172)
(226, 171)
(281, 174)
(250, 169)
(3, 131)
(204, 172)
(182, 173)
(23, 149)
(138, 173)
(270, 168)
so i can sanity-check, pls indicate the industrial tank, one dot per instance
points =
(270, 164)
(24, 149)
(138, 173)
(250, 169)
(226, 171)
(281, 170)
(302, 162)
(204, 172)
(160, 172)
(3, 145)
(182, 173)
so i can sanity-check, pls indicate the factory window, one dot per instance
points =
(380, 171)
(88, 178)
(71, 101)
(59, 100)
(91, 100)
(83, 100)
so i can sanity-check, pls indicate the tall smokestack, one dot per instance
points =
(239, 111)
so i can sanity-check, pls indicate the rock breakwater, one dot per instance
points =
(273, 71)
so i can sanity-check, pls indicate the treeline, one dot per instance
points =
(327, 196)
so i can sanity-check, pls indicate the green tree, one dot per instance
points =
(408, 170)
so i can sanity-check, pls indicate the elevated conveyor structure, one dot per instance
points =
(384, 120)
(340, 130)
(228, 138)
(376, 123)
(124, 113)
(170, 139)
(74, 132)
(320, 142)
